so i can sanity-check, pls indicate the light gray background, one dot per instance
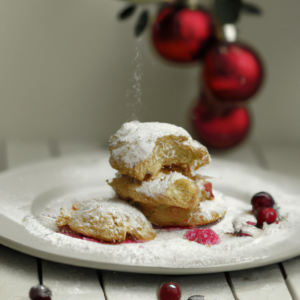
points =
(67, 65)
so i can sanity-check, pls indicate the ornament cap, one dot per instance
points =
(229, 32)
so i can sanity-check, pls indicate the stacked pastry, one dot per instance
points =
(157, 167)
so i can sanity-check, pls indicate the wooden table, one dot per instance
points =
(19, 272)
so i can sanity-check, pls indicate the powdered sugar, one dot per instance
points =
(207, 207)
(169, 248)
(158, 186)
(110, 219)
(64, 181)
(139, 140)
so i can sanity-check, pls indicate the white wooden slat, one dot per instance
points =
(265, 283)
(23, 152)
(284, 158)
(71, 283)
(128, 286)
(292, 269)
(18, 273)
(18, 269)
(74, 147)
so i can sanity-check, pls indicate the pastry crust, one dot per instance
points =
(206, 212)
(173, 189)
(138, 149)
(110, 220)
(156, 164)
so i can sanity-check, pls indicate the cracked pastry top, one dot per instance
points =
(110, 220)
(141, 149)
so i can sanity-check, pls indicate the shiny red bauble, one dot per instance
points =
(220, 129)
(232, 72)
(182, 35)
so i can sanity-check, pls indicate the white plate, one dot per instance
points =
(28, 190)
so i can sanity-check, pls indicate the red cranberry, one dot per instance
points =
(40, 292)
(169, 291)
(208, 189)
(266, 214)
(202, 236)
(262, 199)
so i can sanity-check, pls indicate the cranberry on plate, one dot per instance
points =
(266, 214)
(261, 199)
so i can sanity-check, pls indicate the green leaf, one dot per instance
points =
(227, 11)
(251, 9)
(141, 23)
(127, 12)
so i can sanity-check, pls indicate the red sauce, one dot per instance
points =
(203, 236)
(66, 230)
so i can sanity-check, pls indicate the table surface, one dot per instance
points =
(19, 272)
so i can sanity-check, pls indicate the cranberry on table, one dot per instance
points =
(267, 215)
(169, 291)
(40, 292)
(262, 199)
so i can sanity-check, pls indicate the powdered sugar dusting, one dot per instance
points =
(208, 206)
(114, 216)
(170, 249)
(158, 186)
(139, 140)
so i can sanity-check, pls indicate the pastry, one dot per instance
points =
(172, 189)
(140, 149)
(207, 211)
(110, 220)
(157, 165)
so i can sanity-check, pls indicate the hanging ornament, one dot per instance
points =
(181, 34)
(220, 127)
(232, 71)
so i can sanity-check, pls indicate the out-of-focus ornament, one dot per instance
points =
(220, 127)
(182, 35)
(232, 71)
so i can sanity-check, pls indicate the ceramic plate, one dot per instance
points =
(28, 191)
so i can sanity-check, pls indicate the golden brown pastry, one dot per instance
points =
(157, 164)
(110, 220)
(208, 211)
(173, 189)
(138, 149)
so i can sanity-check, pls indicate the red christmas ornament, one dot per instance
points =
(182, 35)
(221, 127)
(232, 72)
